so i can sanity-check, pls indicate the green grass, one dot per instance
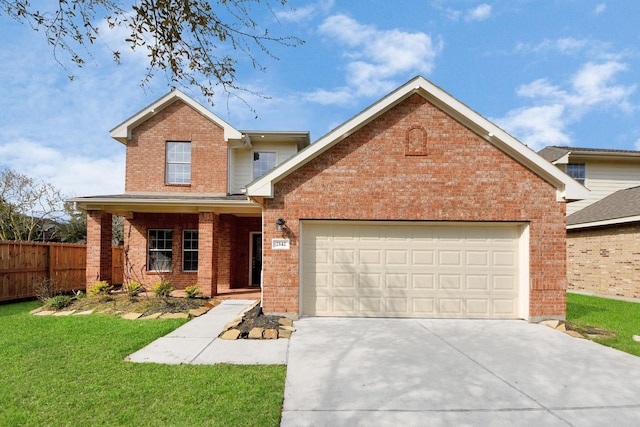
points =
(619, 316)
(70, 371)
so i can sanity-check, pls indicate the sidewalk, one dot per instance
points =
(197, 343)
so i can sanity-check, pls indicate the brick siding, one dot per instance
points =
(146, 152)
(223, 250)
(605, 261)
(387, 171)
(99, 257)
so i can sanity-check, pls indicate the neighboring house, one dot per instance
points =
(415, 207)
(602, 171)
(603, 230)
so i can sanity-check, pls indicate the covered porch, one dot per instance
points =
(212, 241)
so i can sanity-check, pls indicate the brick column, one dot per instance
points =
(99, 258)
(226, 249)
(208, 253)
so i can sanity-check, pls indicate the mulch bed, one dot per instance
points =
(254, 318)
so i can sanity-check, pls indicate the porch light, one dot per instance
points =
(280, 224)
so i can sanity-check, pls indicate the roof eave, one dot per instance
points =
(605, 222)
(567, 188)
(122, 132)
(168, 205)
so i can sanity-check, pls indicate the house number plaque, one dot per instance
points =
(280, 244)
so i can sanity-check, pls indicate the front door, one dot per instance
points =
(256, 259)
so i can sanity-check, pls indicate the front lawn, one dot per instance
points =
(619, 316)
(71, 371)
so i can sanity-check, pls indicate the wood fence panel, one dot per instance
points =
(22, 263)
(67, 266)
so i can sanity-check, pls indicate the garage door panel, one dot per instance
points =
(423, 257)
(477, 307)
(424, 306)
(397, 305)
(505, 283)
(451, 258)
(397, 281)
(423, 281)
(448, 282)
(477, 282)
(400, 270)
(503, 306)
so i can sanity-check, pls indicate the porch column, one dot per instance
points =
(208, 253)
(226, 248)
(99, 258)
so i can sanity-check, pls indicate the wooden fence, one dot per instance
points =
(64, 265)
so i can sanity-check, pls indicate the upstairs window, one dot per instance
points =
(577, 171)
(190, 250)
(263, 162)
(159, 251)
(178, 163)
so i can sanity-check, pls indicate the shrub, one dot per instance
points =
(44, 289)
(163, 289)
(58, 302)
(101, 288)
(133, 289)
(192, 291)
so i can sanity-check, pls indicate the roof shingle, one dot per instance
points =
(621, 204)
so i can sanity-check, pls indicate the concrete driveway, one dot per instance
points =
(396, 372)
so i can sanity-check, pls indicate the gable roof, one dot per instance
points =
(122, 132)
(623, 206)
(567, 188)
(560, 154)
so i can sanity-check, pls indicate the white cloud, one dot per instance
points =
(73, 174)
(600, 8)
(592, 87)
(537, 126)
(637, 145)
(376, 57)
(479, 13)
(305, 13)
(565, 46)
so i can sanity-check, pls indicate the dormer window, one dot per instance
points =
(263, 162)
(577, 171)
(178, 162)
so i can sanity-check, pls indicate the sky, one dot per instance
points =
(549, 72)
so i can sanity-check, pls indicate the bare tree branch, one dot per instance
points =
(194, 42)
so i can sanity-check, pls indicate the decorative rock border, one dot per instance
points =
(194, 312)
(583, 332)
(559, 325)
(231, 332)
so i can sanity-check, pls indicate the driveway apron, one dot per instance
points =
(362, 372)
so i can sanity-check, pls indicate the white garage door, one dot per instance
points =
(388, 269)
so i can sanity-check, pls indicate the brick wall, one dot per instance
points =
(605, 261)
(416, 163)
(135, 231)
(99, 257)
(146, 152)
(223, 249)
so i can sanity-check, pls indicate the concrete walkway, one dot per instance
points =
(389, 372)
(196, 342)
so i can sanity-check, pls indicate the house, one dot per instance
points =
(415, 207)
(603, 230)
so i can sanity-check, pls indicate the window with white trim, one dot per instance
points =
(263, 162)
(159, 250)
(178, 162)
(577, 171)
(190, 250)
